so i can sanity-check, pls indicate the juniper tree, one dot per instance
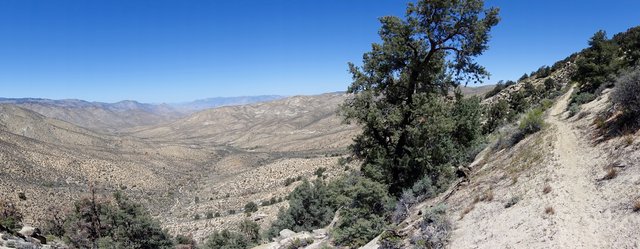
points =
(400, 88)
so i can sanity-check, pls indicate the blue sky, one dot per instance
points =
(173, 51)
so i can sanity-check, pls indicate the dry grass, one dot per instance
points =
(546, 189)
(611, 173)
(514, 179)
(599, 121)
(549, 211)
(467, 210)
(636, 206)
(628, 140)
(487, 196)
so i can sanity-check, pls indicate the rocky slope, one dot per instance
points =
(300, 123)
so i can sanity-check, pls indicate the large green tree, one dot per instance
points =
(597, 64)
(400, 89)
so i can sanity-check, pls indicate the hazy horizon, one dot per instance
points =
(172, 52)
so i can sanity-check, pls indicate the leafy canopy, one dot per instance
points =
(400, 88)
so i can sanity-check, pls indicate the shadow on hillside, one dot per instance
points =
(617, 125)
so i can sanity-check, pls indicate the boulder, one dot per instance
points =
(28, 231)
(319, 233)
(286, 233)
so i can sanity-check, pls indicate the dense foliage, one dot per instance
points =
(365, 207)
(400, 88)
(119, 223)
(309, 208)
(597, 64)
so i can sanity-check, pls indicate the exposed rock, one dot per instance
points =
(286, 233)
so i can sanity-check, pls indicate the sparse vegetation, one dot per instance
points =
(512, 201)
(549, 210)
(435, 229)
(10, 216)
(611, 173)
(546, 189)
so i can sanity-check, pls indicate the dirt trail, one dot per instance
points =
(587, 213)
(578, 222)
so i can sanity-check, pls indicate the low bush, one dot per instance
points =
(581, 98)
(513, 201)
(532, 122)
(626, 94)
(309, 208)
(10, 216)
(320, 171)
(226, 239)
(435, 229)
(574, 109)
(546, 104)
(549, 211)
(250, 207)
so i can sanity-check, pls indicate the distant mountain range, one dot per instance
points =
(202, 104)
(124, 114)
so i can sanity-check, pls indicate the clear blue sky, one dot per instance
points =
(172, 50)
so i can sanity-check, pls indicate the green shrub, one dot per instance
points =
(532, 122)
(209, 215)
(626, 94)
(366, 204)
(289, 181)
(546, 104)
(117, 224)
(573, 110)
(196, 217)
(550, 85)
(185, 240)
(435, 229)
(10, 216)
(309, 208)
(582, 98)
(498, 114)
(250, 207)
(320, 171)
(226, 240)
(250, 230)
(216, 215)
